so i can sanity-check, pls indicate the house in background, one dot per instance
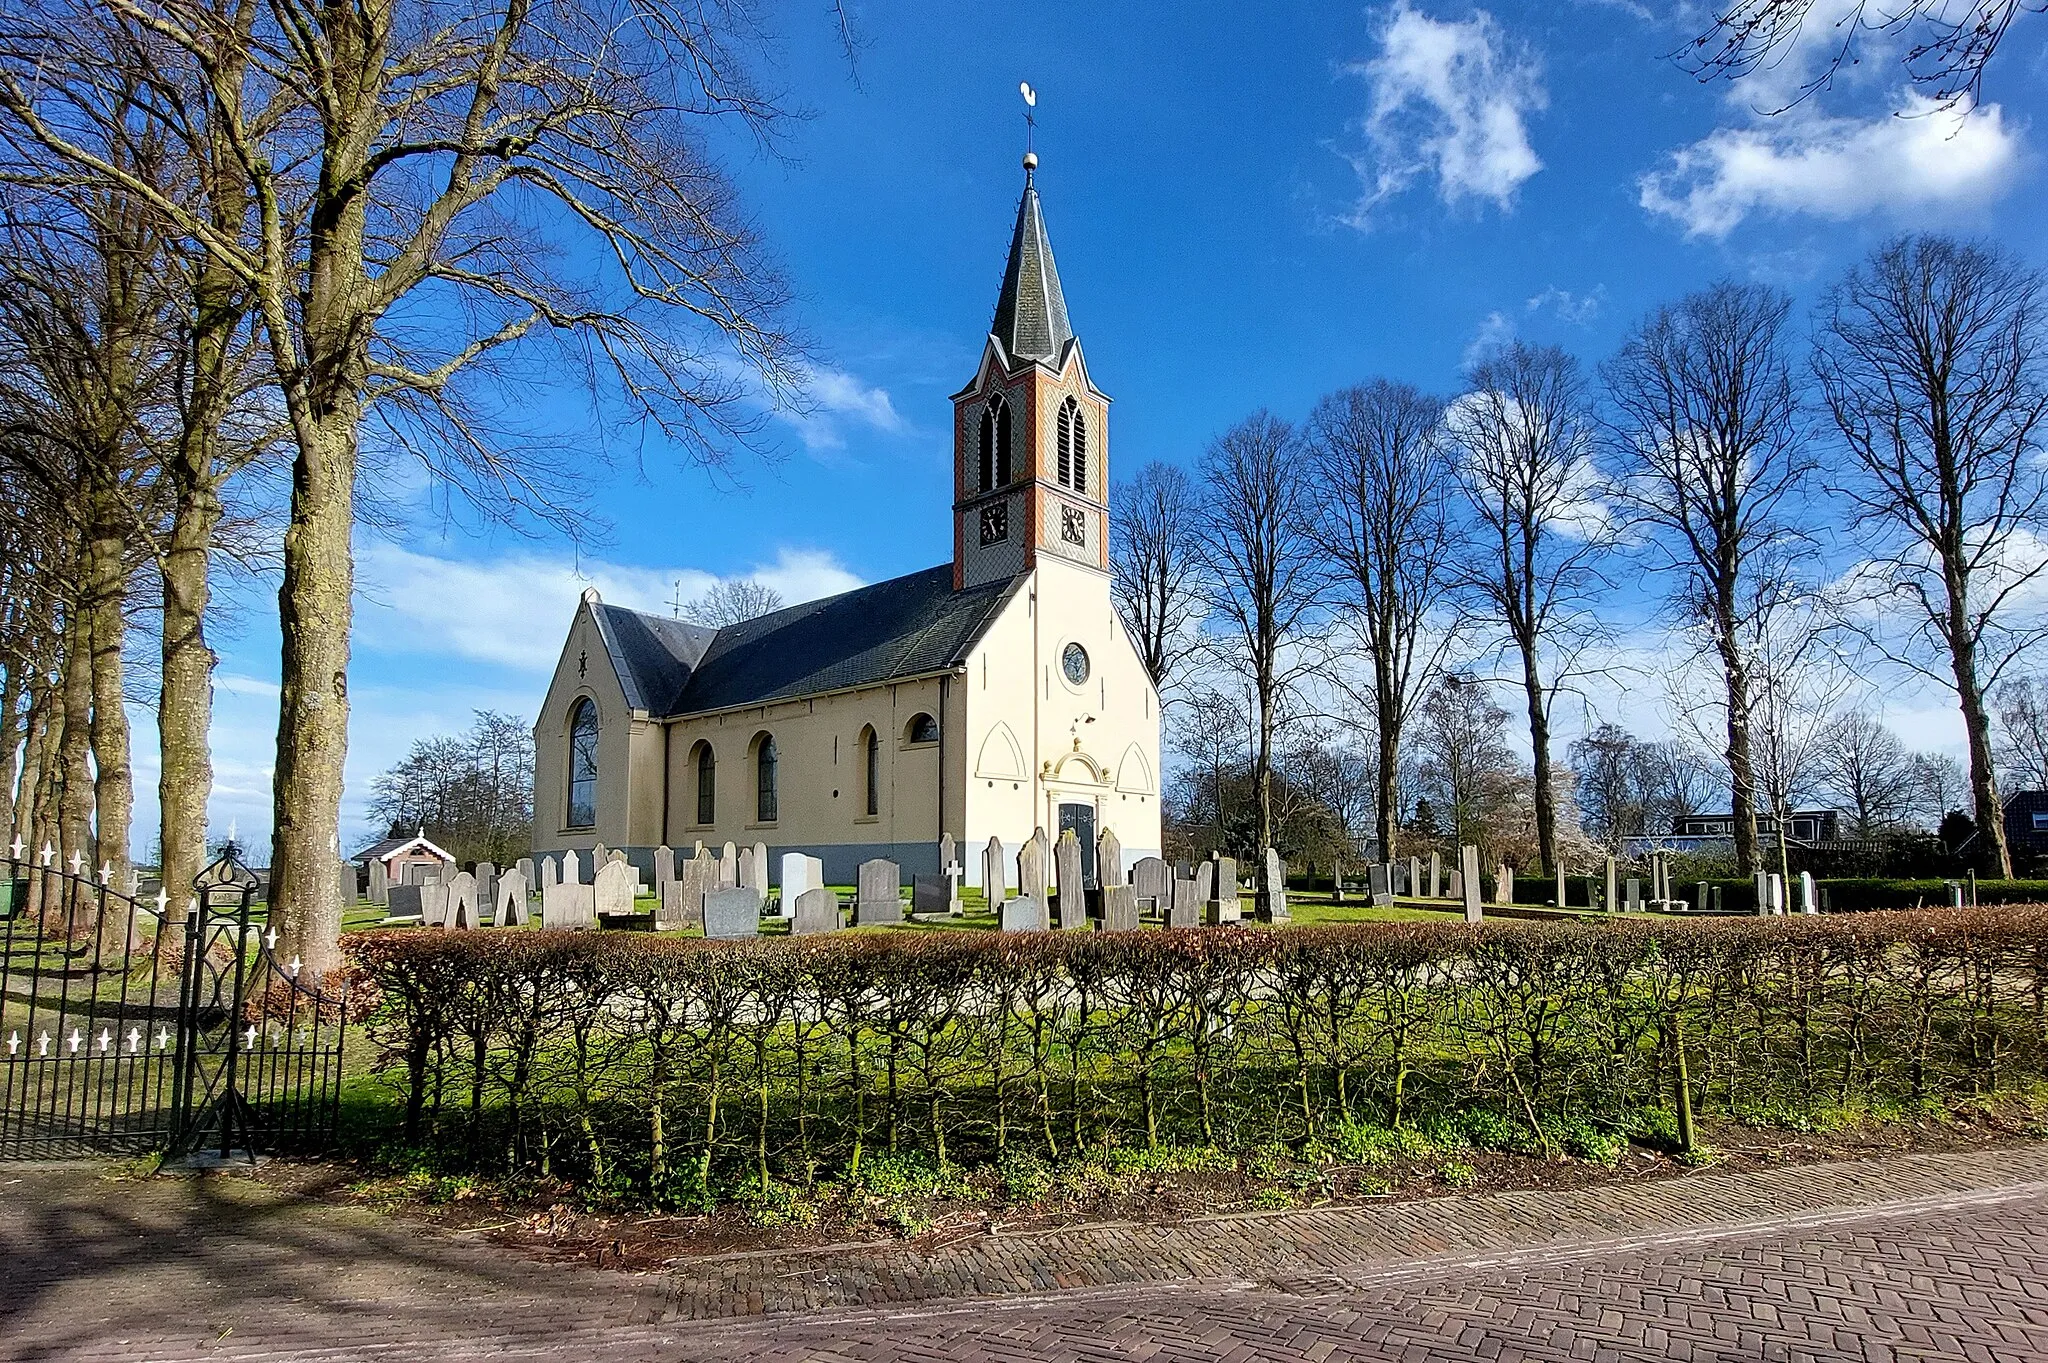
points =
(399, 853)
(1716, 831)
(2026, 823)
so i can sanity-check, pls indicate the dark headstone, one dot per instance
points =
(733, 912)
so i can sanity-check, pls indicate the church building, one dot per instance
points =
(988, 696)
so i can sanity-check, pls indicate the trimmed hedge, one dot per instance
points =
(669, 1068)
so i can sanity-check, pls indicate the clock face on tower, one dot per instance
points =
(1074, 662)
(995, 523)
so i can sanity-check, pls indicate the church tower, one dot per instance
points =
(1031, 432)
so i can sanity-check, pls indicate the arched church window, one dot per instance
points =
(583, 765)
(707, 784)
(1073, 446)
(764, 779)
(871, 763)
(995, 444)
(921, 729)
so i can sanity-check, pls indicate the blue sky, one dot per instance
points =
(1251, 206)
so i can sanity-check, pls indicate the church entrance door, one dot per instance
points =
(1081, 818)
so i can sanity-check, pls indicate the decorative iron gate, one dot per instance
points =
(126, 1028)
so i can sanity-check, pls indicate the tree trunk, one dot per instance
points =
(12, 728)
(315, 608)
(1741, 764)
(1539, 748)
(185, 704)
(1389, 772)
(1994, 858)
(1264, 771)
(113, 780)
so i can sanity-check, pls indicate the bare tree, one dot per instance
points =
(1260, 573)
(1948, 43)
(1930, 356)
(733, 601)
(431, 188)
(1155, 567)
(473, 795)
(1863, 764)
(1712, 461)
(1939, 783)
(2022, 738)
(1465, 771)
(1386, 526)
(1797, 685)
(1523, 437)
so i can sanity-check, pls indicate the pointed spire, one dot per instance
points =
(1031, 313)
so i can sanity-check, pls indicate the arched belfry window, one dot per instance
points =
(707, 784)
(995, 444)
(871, 766)
(765, 803)
(1073, 446)
(583, 765)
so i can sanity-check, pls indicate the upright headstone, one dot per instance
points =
(1436, 875)
(1777, 892)
(761, 871)
(1152, 883)
(664, 866)
(1378, 891)
(732, 912)
(1504, 884)
(931, 896)
(1763, 893)
(1415, 877)
(815, 910)
(486, 886)
(568, 905)
(572, 867)
(434, 904)
(526, 869)
(461, 892)
(995, 874)
(948, 852)
(345, 884)
(380, 882)
(1184, 907)
(1109, 859)
(599, 855)
(1607, 900)
(1119, 909)
(612, 890)
(1272, 901)
(1067, 870)
(745, 875)
(1632, 899)
(695, 879)
(800, 872)
(1205, 887)
(1560, 885)
(1468, 857)
(1226, 907)
(508, 906)
(406, 901)
(880, 898)
(1025, 913)
(1454, 886)
(1031, 868)
(1809, 896)
(1039, 889)
(1700, 896)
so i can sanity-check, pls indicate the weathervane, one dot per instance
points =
(1030, 123)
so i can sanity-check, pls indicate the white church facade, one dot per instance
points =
(986, 697)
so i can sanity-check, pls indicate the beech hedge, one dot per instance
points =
(670, 1066)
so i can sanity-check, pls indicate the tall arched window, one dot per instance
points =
(1073, 446)
(707, 784)
(871, 764)
(995, 444)
(764, 779)
(583, 765)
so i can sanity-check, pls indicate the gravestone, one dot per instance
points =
(572, 867)
(1109, 859)
(732, 912)
(1560, 885)
(931, 896)
(1152, 884)
(728, 867)
(404, 901)
(1455, 886)
(695, 879)
(948, 852)
(525, 866)
(1378, 891)
(486, 886)
(380, 882)
(1763, 893)
(1777, 892)
(1184, 906)
(1468, 877)
(1025, 913)
(1436, 875)
(880, 898)
(744, 877)
(995, 884)
(434, 904)
(1272, 902)
(1608, 901)
(800, 872)
(1119, 909)
(461, 891)
(1073, 899)
(664, 865)
(816, 910)
(1699, 894)
(1504, 885)
(568, 905)
(1632, 895)
(761, 871)
(612, 890)
(1038, 889)
(1809, 897)
(1031, 866)
(1415, 877)
(345, 884)
(1224, 905)
(508, 906)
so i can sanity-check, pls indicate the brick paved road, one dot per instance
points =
(221, 1269)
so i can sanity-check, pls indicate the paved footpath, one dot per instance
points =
(1913, 1257)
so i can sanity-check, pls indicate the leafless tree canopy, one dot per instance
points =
(734, 601)
(1155, 567)
(1930, 356)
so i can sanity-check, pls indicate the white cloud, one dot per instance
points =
(1446, 99)
(1919, 160)
(512, 610)
(1494, 331)
(1575, 309)
(835, 400)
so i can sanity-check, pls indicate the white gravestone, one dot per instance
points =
(880, 897)
(510, 908)
(612, 890)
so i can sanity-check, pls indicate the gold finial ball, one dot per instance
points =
(1031, 160)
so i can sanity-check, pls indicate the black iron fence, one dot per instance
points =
(129, 1026)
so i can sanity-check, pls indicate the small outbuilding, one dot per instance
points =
(399, 853)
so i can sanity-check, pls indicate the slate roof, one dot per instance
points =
(905, 627)
(1031, 312)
